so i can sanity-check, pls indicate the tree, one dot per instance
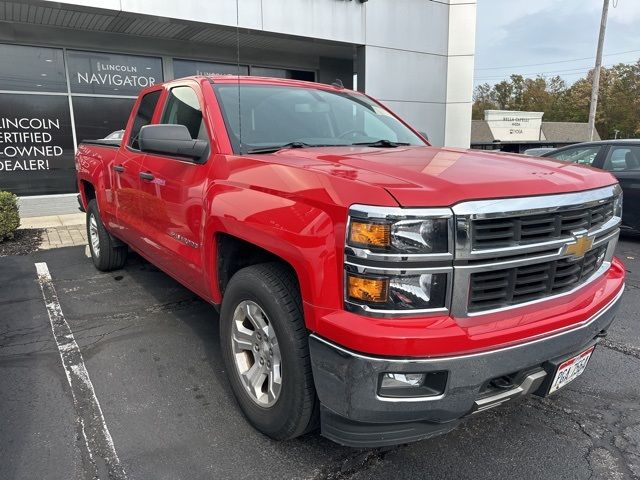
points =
(504, 91)
(618, 107)
(483, 99)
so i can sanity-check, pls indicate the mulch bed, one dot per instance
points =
(24, 242)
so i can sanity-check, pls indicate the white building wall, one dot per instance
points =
(418, 54)
(419, 62)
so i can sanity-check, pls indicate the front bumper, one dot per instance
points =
(353, 413)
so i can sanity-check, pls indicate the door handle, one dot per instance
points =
(118, 168)
(146, 176)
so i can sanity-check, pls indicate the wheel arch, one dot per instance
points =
(234, 254)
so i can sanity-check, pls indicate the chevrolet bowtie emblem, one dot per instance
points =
(581, 245)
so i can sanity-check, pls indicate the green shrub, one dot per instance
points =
(9, 216)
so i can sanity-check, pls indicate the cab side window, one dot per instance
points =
(183, 108)
(622, 158)
(143, 116)
(580, 155)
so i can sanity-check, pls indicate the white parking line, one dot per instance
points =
(102, 452)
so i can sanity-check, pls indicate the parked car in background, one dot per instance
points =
(536, 152)
(619, 157)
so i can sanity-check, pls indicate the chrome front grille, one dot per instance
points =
(527, 229)
(509, 252)
(511, 286)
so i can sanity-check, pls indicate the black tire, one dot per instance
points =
(274, 288)
(112, 255)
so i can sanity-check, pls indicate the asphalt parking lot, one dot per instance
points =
(151, 351)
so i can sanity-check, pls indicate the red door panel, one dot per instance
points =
(125, 172)
(173, 211)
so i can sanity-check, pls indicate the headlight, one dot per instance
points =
(617, 206)
(420, 235)
(394, 231)
(398, 261)
(402, 292)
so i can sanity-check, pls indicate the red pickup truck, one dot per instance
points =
(367, 283)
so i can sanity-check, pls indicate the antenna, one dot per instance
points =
(238, 72)
(338, 83)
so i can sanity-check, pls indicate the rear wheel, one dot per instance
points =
(265, 349)
(106, 254)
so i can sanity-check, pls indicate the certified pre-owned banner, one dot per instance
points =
(36, 144)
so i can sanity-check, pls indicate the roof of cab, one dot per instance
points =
(243, 79)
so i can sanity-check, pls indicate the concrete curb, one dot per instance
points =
(52, 221)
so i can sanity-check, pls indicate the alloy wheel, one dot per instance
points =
(93, 235)
(256, 353)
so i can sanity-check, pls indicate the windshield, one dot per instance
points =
(273, 116)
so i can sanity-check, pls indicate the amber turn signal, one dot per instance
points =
(367, 289)
(370, 234)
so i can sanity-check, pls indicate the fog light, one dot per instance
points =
(402, 380)
(412, 385)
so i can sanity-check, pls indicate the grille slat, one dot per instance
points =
(526, 229)
(495, 235)
(491, 285)
(515, 285)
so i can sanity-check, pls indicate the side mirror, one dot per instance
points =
(171, 140)
(424, 134)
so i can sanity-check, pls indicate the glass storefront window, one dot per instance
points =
(283, 73)
(113, 115)
(36, 144)
(31, 69)
(112, 74)
(186, 68)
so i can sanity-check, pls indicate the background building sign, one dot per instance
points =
(112, 74)
(514, 126)
(36, 146)
(186, 68)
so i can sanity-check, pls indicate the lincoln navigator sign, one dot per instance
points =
(508, 126)
(112, 74)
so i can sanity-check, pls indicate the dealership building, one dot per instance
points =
(71, 70)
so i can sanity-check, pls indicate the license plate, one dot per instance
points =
(571, 369)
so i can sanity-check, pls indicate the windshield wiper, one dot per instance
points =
(382, 144)
(277, 148)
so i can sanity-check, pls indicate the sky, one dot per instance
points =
(552, 35)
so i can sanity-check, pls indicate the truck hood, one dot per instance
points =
(429, 176)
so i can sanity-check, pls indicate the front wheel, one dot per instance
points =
(265, 349)
(105, 252)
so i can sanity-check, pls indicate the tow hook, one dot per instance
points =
(502, 383)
